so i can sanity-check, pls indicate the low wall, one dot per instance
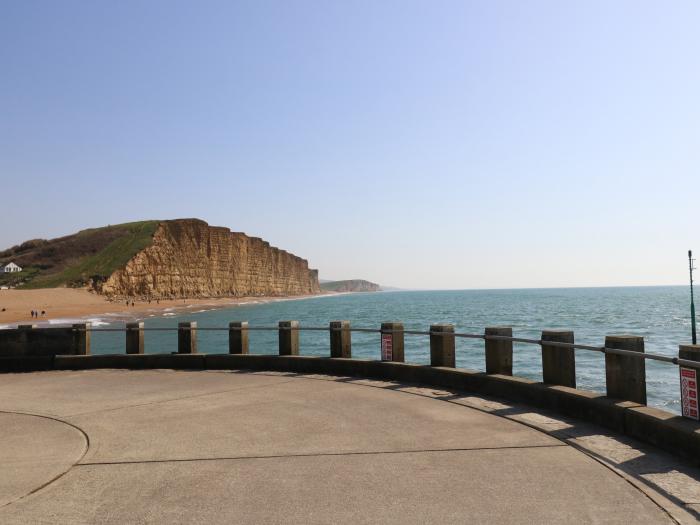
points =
(30, 341)
(660, 428)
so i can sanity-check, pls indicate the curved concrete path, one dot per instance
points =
(35, 451)
(232, 447)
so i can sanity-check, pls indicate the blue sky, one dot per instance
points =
(418, 144)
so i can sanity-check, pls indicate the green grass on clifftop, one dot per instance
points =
(77, 259)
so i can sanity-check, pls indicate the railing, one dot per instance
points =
(559, 344)
(625, 357)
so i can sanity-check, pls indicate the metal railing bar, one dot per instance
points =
(471, 336)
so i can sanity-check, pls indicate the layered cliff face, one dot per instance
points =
(189, 258)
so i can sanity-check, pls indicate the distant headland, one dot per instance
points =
(350, 285)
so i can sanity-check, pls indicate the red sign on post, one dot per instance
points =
(387, 347)
(689, 393)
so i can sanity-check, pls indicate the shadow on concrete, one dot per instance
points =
(642, 465)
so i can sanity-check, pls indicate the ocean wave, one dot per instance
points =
(98, 322)
(64, 321)
(94, 321)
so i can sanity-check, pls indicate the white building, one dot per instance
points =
(10, 268)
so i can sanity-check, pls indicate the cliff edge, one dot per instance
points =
(189, 258)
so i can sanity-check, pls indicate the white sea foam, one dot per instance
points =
(64, 321)
(94, 321)
(98, 322)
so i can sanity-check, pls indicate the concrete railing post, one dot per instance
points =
(134, 338)
(289, 337)
(341, 345)
(187, 337)
(238, 337)
(499, 352)
(81, 339)
(625, 376)
(392, 342)
(558, 362)
(442, 345)
(24, 339)
(690, 352)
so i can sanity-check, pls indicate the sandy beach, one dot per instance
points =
(75, 304)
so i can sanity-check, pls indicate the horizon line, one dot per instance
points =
(398, 289)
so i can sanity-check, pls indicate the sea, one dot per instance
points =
(659, 314)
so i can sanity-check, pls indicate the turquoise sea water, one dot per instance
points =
(660, 314)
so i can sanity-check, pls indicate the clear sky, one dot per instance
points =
(432, 144)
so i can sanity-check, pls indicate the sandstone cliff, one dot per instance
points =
(189, 258)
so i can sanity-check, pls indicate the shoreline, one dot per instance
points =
(69, 305)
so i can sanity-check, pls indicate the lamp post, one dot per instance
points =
(692, 302)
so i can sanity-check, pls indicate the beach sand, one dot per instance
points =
(75, 304)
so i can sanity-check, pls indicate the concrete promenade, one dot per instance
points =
(163, 446)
